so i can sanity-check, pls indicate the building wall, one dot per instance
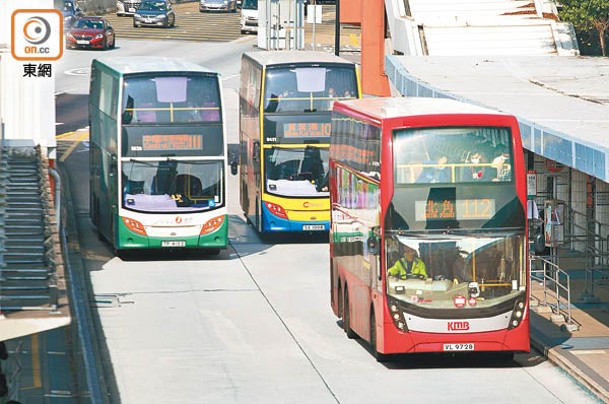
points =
(27, 104)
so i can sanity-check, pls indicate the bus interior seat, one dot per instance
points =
(287, 169)
(189, 185)
(163, 183)
(134, 187)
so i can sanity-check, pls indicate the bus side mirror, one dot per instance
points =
(256, 151)
(233, 167)
(373, 245)
(113, 166)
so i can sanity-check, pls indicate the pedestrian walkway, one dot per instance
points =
(582, 347)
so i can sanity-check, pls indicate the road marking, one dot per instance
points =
(71, 148)
(588, 352)
(64, 135)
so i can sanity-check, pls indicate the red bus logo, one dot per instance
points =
(458, 325)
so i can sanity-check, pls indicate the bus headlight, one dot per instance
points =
(397, 315)
(134, 226)
(518, 313)
(212, 225)
(276, 210)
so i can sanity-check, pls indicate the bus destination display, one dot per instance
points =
(306, 129)
(172, 142)
(460, 209)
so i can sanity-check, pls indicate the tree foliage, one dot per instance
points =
(588, 16)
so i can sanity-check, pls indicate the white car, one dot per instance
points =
(127, 7)
(249, 16)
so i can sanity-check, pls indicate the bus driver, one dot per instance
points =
(409, 266)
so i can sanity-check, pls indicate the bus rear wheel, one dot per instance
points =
(347, 317)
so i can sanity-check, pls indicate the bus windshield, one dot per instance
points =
(308, 89)
(172, 185)
(455, 271)
(301, 172)
(167, 99)
(453, 155)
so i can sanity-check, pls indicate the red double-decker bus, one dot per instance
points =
(428, 237)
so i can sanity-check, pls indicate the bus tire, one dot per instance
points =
(347, 317)
(341, 307)
(377, 355)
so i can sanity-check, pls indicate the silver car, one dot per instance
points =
(154, 13)
(218, 5)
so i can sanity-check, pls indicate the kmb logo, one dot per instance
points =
(37, 34)
(458, 325)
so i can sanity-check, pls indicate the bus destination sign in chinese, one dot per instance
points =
(172, 142)
(306, 129)
(460, 209)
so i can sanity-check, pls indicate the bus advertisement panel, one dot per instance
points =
(428, 238)
(286, 99)
(158, 154)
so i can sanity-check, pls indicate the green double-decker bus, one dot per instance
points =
(158, 154)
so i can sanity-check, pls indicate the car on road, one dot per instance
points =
(249, 16)
(127, 7)
(71, 11)
(91, 33)
(154, 13)
(218, 5)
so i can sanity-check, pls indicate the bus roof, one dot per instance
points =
(266, 58)
(395, 107)
(150, 64)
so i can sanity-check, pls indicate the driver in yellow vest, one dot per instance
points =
(409, 266)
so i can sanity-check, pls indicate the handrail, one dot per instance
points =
(550, 275)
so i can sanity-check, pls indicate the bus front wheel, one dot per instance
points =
(377, 355)
(347, 317)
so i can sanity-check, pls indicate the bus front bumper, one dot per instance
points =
(272, 223)
(128, 239)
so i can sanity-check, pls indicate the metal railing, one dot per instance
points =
(556, 285)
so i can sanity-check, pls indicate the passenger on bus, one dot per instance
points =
(409, 266)
(501, 164)
(439, 173)
(476, 168)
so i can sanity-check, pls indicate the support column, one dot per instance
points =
(374, 79)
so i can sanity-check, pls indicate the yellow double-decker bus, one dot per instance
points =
(285, 108)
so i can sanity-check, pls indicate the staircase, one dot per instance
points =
(27, 256)
(478, 27)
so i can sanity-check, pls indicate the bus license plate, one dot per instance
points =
(459, 347)
(315, 227)
(173, 243)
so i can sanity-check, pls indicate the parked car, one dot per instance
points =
(127, 7)
(154, 13)
(218, 5)
(71, 11)
(249, 16)
(91, 33)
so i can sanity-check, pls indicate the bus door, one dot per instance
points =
(256, 161)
